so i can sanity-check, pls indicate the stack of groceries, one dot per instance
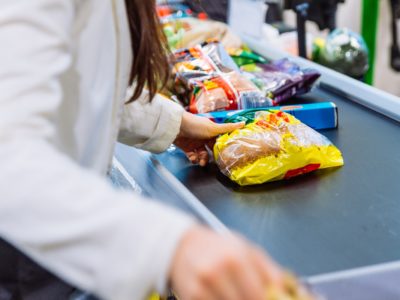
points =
(215, 76)
(235, 85)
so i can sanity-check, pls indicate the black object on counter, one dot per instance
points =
(302, 13)
(218, 9)
(395, 49)
(215, 9)
(322, 12)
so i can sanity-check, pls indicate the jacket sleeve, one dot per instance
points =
(150, 125)
(67, 218)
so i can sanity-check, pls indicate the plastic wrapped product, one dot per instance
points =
(212, 94)
(321, 115)
(281, 79)
(217, 53)
(189, 31)
(207, 79)
(229, 91)
(193, 63)
(198, 63)
(173, 11)
(209, 57)
(275, 146)
(245, 57)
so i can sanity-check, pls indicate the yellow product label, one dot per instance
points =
(275, 146)
(234, 51)
(154, 297)
(210, 85)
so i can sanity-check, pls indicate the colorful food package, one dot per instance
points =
(319, 116)
(189, 32)
(281, 79)
(275, 146)
(244, 56)
(207, 79)
(229, 91)
(172, 11)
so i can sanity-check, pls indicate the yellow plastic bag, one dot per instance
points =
(274, 146)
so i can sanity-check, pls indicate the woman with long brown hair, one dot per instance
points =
(65, 68)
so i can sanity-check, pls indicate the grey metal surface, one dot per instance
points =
(322, 222)
(380, 282)
(155, 182)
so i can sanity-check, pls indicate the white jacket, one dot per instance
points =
(64, 68)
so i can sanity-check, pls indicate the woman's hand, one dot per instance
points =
(208, 266)
(198, 132)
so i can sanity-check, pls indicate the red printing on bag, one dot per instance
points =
(304, 170)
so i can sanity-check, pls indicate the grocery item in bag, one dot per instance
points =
(244, 57)
(281, 80)
(319, 116)
(207, 79)
(275, 146)
(229, 91)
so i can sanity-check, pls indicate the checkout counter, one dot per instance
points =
(338, 229)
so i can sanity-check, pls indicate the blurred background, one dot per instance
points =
(349, 15)
(371, 23)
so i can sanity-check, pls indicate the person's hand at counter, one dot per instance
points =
(198, 132)
(209, 266)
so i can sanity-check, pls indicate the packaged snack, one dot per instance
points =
(281, 80)
(275, 146)
(245, 57)
(225, 92)
(186, 32)
(207, 79)
(321, 115)
(217, 53)
(212, 94)
(193, 63)
(167, 12)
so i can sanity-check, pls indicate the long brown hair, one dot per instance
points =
(150, 67)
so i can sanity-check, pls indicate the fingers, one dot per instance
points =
(257, 272)
(203, 158)
(219, 129)
(251, 285)
(200, 128)
(207, 266)
(197, 291)
(200, 157)
(193, 157)
(249, 276)
(225, 289)
(267, 268)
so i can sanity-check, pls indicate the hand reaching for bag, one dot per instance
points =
(198, 132)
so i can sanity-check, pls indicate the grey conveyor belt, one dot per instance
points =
(322, 222)
(326, 221)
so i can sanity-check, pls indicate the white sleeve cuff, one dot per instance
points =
(151, 126)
